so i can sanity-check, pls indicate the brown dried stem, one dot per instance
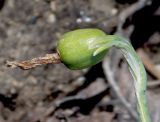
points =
(47, 59)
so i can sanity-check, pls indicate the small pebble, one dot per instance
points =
(51, 18)
(114, 11)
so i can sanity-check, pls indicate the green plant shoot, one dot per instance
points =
(83, 48)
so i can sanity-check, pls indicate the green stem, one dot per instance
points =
(135, 66)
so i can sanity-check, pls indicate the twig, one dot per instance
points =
(152, 84)
(109, 75)
(128, 12)
(25, 65)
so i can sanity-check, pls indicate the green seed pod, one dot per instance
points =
(75, 48)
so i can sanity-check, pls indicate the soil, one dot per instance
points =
(53, 93)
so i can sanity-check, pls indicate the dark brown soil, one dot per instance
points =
(53, 93)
